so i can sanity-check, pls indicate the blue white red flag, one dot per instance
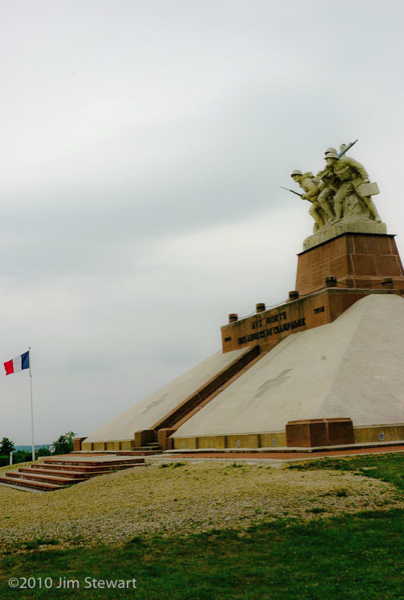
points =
(17, 364)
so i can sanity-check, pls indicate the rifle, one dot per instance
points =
(293, 191)
(346, 149)
(327, 170)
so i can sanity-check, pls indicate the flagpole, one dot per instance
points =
(32, 406)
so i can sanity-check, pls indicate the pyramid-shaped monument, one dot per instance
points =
(324, 368)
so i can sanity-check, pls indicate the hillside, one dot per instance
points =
(184, 498)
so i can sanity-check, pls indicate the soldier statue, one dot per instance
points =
(311, 192)
(340, 191)
(351, 175)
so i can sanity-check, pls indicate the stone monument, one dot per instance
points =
(322, 368)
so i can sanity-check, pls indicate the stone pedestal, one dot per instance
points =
(313, 433)
(340, 431)
(163, 438)
(306, 434)
(348, 225)
(356, 260)
(77, 443)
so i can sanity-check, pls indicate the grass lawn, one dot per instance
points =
(360, 556)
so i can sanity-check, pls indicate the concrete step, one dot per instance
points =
(137, 452)
(93, 463)
(61, 481)
(89, 470)
(79, 475)
(146, 450)
(28, 485)
(59, 473)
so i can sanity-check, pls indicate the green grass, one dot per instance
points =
(386, 467)
(353, 557)
(346, 558)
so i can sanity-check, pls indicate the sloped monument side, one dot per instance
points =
(323, 366)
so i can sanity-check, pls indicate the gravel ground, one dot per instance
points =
(189, 498)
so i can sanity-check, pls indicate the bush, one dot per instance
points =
(4, 460)
(21, 456)
(65, 443)
(44, 451)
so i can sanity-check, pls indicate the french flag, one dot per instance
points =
(17, 364)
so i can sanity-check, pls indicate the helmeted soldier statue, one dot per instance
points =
(351, 175)
(327, 185)
(311, 192)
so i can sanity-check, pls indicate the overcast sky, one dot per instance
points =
(142, 145)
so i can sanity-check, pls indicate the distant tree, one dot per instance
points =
(21, 456)
(65, 443)
(6, 446)
(44, 451)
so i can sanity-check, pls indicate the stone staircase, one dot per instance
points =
(152, 447)
(60, 472)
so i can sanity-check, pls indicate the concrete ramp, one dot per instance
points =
(352, 367)
(147, 413)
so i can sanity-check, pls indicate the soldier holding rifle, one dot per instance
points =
(311, 192)
(342, 178)
(352, 176)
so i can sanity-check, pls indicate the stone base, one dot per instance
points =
(344, 226)
(319, 432)
(356, 260)
(77, 443)
(163, 437)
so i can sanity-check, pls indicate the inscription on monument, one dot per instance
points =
(272, 330)
(271, 319)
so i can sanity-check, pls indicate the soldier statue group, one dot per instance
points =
(342, 190)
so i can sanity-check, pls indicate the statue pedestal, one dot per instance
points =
(348, 225)
(356, 260)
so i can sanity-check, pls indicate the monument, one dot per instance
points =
(324, 368)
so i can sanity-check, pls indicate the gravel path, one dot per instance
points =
(189, 498)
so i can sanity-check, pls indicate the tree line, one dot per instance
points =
(63, 445)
